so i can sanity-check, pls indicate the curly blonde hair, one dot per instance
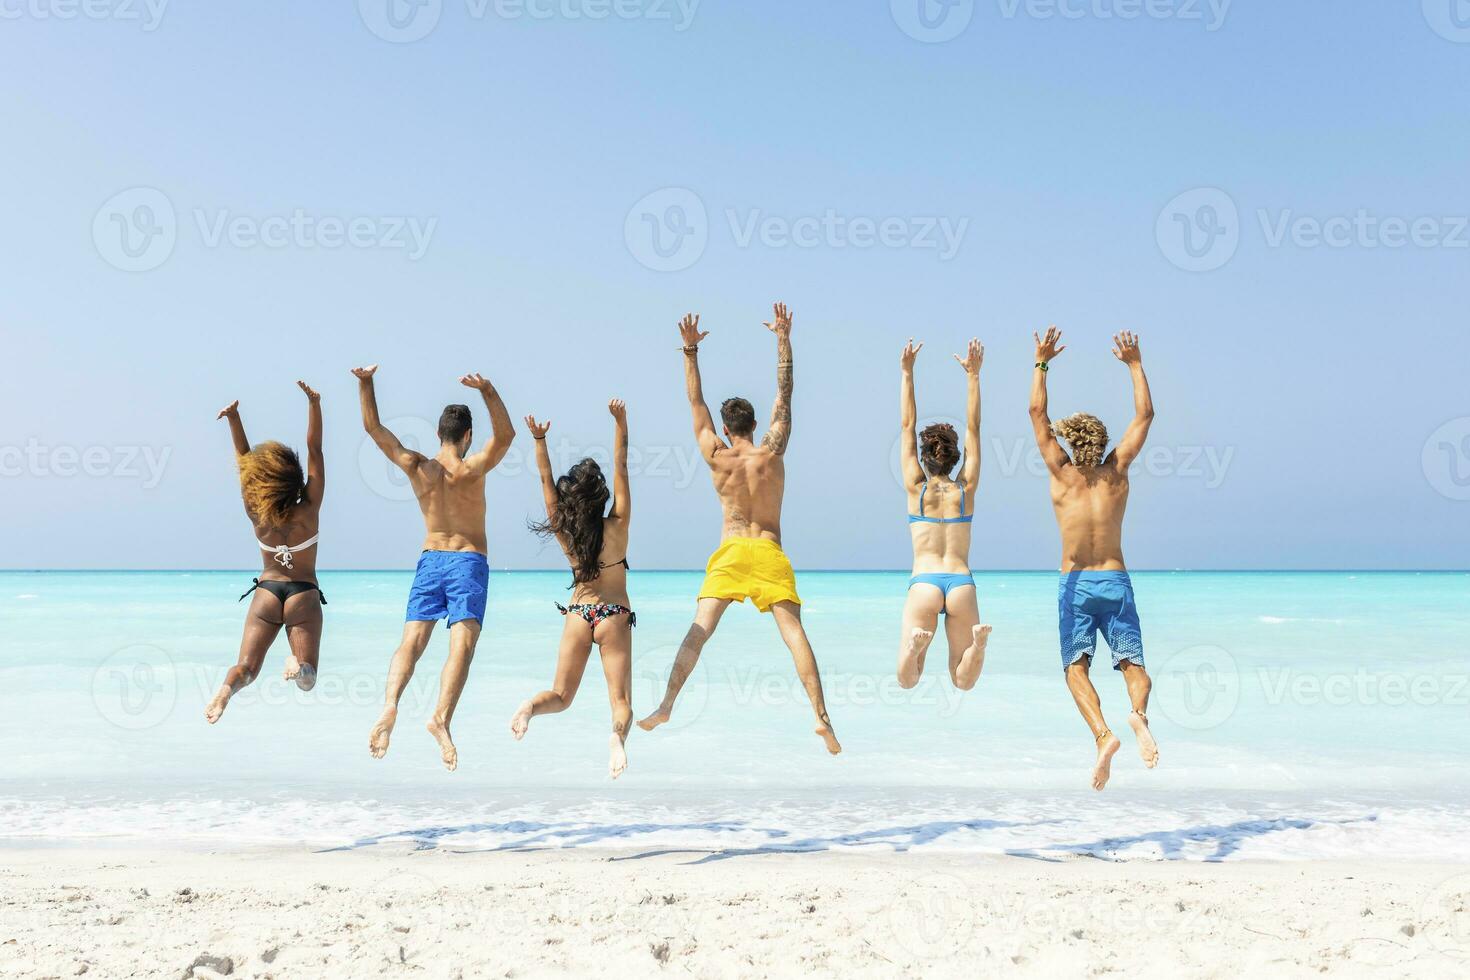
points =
(271, 482)
(1087, 436)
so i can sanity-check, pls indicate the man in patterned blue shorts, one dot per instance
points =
(1089, 491)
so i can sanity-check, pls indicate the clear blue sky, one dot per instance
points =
(1297, 385)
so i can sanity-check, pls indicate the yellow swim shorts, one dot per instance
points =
(750, 568)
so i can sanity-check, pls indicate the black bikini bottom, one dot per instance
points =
(284, 590)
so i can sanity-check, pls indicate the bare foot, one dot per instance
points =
(617, 759)
(217, 706)
(1147, 747)
(972, 661)
(447, 751)
(521, 720)
(1107, 747)
(378, 737)
(824, 729)
(911, 659)
(303, 674)
(654, 720)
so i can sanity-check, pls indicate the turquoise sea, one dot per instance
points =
(1300, 715)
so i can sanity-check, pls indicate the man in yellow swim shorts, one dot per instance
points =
(750, 480)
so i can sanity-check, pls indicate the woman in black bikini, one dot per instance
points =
(284, 505)
(597, 548)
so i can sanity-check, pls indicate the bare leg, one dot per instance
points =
(262, 624)
(1087, 702)
(571, 661)
(304, 633)
(416, 634)
(1139, 686)
(706, 618)
(615, 644)
(967, 637)
(788, 621)
(920, 617)
(463, 636)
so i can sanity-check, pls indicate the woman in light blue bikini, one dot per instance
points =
(940, 514)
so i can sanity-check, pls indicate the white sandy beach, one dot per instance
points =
(123, 912)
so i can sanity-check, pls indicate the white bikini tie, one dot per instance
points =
(283, 552)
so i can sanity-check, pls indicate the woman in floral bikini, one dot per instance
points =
(596, 545)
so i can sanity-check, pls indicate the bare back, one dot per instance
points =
(751, 482)
(451, 495)
(941, 547)
(611, 583)
(305, 519)
(1090, 502)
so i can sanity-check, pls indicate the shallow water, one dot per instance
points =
(1299, 715)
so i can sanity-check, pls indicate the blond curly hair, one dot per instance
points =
(1087, 436)
(272, 483)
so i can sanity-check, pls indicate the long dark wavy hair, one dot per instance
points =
(581, 501)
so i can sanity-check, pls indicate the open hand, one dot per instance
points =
(365, 373)
(537, 431)
(1125, 348)
(475, 381)
(974, 357)
(311, 393)
(619, 410)
(1048, 347)
(910, 351)
(781, 326)
(232, 410)
(689, 330)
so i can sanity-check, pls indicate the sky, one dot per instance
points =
(204, 202)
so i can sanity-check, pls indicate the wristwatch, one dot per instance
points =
(1042, 365)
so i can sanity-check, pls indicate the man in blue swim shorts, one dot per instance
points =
(1089, 492)
(453, 575)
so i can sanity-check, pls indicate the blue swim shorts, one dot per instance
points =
(1091, 601)
(449, 583)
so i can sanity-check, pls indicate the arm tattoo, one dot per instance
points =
(780, 431)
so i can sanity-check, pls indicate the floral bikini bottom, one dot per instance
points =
(595, 613)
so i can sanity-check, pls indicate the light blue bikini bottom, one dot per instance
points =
(943, 581)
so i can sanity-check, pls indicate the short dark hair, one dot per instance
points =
(738, 416)
(454, 422)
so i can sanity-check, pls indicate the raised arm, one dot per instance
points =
(778, 434)
(1047, 348)
(622, 507)
(543, 463)
(316, 466)
(908, 417)
(502, 433)
(974, 357)
(704, 423)
(402, 457)
(1125, 349)
(231, 413)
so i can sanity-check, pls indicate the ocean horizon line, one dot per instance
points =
(804, 571)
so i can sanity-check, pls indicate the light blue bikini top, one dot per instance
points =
(919, 518)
